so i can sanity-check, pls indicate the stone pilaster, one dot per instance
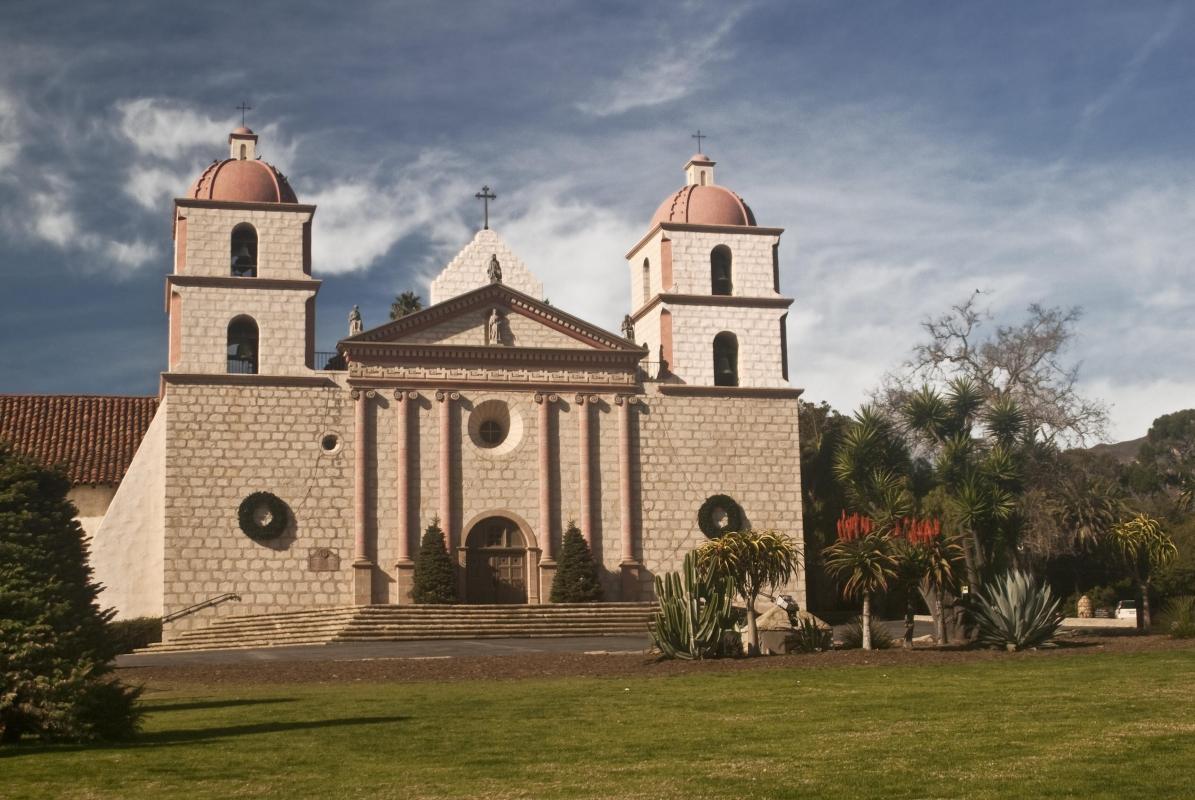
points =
(629, 566)
(404, 567)
(447, 517)
(547, 562)
(362, 564)
(585, 467)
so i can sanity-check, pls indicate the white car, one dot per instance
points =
(1126, 609)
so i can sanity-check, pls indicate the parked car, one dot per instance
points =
(1126, 609)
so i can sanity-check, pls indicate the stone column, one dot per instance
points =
(362, 565)
(404, 568)
(629, 567)
(583, 461)
(447, 522)
(547, 564)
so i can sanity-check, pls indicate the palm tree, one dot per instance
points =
(1144, 548)
(406, 303)
(753, 561)
(862, 559)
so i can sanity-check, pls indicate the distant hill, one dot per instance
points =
(1122, 452)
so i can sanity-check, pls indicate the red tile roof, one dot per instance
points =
(92, 437)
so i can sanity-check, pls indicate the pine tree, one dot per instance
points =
(435, 579)
(55, 649)
(576, 577)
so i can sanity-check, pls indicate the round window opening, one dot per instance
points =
(492, 433)
(329, 442)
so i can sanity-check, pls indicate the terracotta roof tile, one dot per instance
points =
(92, 437)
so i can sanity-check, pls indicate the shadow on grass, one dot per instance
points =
(180, 736)
(154, 709)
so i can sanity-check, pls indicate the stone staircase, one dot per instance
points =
(388, 623)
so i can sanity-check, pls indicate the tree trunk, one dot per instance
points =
(1143, 612)
(752, 630)
(867, 620)
(1140, 606)
(910, 609)
(940, 622)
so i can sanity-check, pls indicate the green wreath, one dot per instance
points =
(705, 515)
(250, 513)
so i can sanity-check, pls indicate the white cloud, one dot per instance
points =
(10, 131)
(167, 130)
(1128, 74)
(674, 67)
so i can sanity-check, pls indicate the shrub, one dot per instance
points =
(1178, 618)
(696, 612)
(128, 635)
(55, 652)
(576, 576)
(435, 578)
(1015, 611)
(810, 636)
(852, 635)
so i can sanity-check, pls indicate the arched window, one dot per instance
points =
(244, 152)
(242, 346)
(646, 280)
(720, 270)
(726, 359)
(244, 251)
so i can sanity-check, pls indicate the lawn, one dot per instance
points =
(1093, 725)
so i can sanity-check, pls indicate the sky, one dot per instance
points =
(1041, 152)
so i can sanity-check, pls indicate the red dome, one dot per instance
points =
(704, 205)
(243, 180)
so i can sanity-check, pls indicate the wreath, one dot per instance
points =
(263, 516)
(732, 510)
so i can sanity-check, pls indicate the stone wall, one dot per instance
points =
(758, 332)
(280, 314)
(751, 262)
(469, 270)
(470, 329)
(208, 241)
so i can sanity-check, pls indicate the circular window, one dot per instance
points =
(491, 432)
(495, 428)
(330, 444)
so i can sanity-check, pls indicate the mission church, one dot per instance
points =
(298, 480)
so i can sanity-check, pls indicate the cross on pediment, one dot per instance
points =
(485, 196)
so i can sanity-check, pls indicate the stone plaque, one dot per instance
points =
(321, 559)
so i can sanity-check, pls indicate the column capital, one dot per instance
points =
(583, 398)
(403, 394)
(628, 399)
(445, 394)
(356, 394)
(544, 397)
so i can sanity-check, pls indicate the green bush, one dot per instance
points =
(811, 637)
(576, 576)
(56, 678)
(1015, 612)
(435, 577)
(128, 635)
(852, 635)
(1178, 618)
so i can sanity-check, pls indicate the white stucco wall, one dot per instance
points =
(126, 551)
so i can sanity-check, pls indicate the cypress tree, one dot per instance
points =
(56, 678)
(576, 577)
(435, 579)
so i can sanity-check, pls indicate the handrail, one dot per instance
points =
(208, 603)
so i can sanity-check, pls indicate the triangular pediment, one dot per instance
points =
(494, 315)
(469, 269)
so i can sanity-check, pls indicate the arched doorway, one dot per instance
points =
(496, 562)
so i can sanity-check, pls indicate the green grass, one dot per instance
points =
(1090, 726)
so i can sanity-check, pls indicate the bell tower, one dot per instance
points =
(241, 299)
(705, 289)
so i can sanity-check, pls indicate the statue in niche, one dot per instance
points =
(628, 328)
(495, 270)
(494, 328)
(355, 325)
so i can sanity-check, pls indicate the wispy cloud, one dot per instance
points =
(1132, 69)
(675, 67)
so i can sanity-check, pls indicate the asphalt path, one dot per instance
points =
(439, 648)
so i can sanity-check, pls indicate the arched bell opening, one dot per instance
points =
(720, 271)
(497, 557)
(242, 346)
(726, 359)
(244, 251)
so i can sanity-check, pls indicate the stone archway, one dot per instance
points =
(496, 562)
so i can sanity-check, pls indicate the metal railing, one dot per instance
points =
(208, 603)
(652, 370)
(329, 360)
(242, 366)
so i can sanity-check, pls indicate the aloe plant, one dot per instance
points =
(696, 609)
(1015, 612)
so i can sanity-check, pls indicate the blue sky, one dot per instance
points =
(1040, 151)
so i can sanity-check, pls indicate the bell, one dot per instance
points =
(244, 352)
(724, 366)
(242, 259)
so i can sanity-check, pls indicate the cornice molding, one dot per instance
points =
(748, 230)
(229, 282)
(722, 301)
(402, 354)
(687, 390)
(241, 205)
(229, 379)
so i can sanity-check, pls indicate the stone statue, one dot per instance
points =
(628, 328)
(495, 270)
(355, 325)
(493, 327)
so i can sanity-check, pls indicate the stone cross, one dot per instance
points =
(699, 136)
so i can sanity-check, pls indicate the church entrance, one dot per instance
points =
(495, 563)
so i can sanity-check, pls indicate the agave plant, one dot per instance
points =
(1015, 612)
(696, 609)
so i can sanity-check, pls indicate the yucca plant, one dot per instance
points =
(1178, 618)
(1016, 612)
(852, 635)
(696, 610)
(753, 561)
(812, 636)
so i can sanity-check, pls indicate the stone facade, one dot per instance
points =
(470, 269)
